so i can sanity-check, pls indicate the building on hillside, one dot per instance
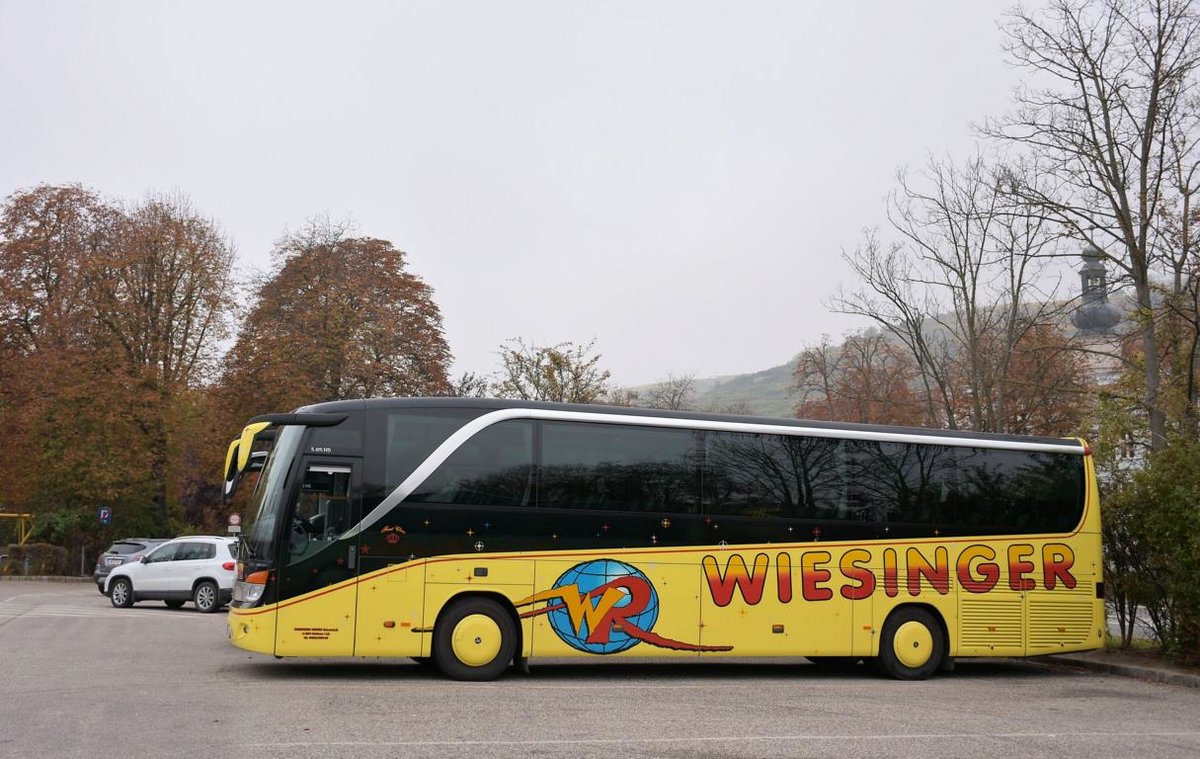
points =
(1097, 321)
(1101, 331)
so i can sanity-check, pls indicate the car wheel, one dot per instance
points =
(205, 597)
(912, 646)
(174, 603)
(475, 639)
(120, 592)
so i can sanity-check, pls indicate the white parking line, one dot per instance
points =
(13, 611)
(720, 739)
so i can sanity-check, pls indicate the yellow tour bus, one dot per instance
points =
(473, 534)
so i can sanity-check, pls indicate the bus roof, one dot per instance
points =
(493, 404)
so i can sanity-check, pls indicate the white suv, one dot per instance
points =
(199, 568)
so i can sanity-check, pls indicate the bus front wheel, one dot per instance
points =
(475, 639)
(912, 646)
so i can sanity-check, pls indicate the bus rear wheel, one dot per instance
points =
(475, 639)
(912, 646)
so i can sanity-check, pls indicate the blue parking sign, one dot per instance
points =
(105, 515)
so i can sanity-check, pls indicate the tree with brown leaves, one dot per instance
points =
(866, 379)
(110, 318)
(341, 318)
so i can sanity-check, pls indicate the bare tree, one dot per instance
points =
(1112, 113)
(1180, 340)
(959, 287)
(816, 372)
(731, 408)
(470, 385)
(891, 296)
(623, 396)
(674, 392)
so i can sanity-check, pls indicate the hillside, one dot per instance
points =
(765, 393)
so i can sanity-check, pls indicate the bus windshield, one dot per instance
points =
(267, 499)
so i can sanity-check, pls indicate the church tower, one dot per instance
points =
(1096, 320)
(1095, 315)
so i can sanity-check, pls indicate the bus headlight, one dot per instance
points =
(249, 592)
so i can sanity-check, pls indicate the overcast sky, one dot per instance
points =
(676, 180)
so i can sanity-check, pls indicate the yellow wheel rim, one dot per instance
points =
(913, 644)
(476, 640)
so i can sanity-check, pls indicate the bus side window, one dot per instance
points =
(618, 468)
(493, 468)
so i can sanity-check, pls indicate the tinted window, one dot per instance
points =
(780, 487)
(410, 436)
(903, 482)
(608, 466)
(1020, 491)
(965, 491)
(774, 475)
(195, 551)
(494, 467)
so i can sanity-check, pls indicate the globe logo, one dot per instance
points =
(609, 631)
(605, 606)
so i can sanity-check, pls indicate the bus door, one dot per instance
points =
(319, 564)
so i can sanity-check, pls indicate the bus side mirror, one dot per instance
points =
(258, 459)
(241, 458)
(232, 473)
(230, 486)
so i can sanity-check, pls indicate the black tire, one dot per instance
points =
(475, 639)
(426, 662)
(207, 597)
(912, 646)
(120, 592)
(174, 603)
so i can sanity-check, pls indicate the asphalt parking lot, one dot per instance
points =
(81, 679)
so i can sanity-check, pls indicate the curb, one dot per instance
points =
(1149, 674)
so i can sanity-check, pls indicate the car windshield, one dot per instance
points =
(267, 498)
